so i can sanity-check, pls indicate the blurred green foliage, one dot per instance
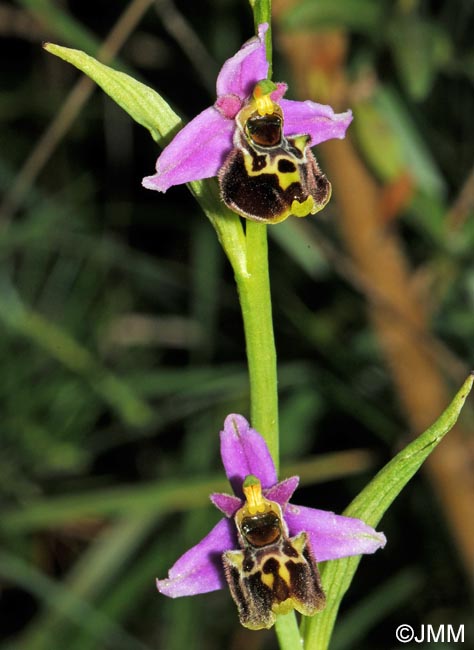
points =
(121, 342)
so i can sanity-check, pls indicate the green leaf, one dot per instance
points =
(142, 103)
(149, 109)
(370, 505)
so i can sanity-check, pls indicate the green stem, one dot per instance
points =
(288, 633)
(255, 301)
(262, 13)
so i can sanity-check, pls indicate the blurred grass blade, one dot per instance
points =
(370, 505)
(420, 47)
(379, 143)
(95, 573)
(356, 15)
(418, 157)
(207, 263)
(128, 591)
(165, 496)
(15, 570)
(296, 238)
(57, 20)
(61, 346)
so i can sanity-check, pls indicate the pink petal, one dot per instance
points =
(227, 503)
(240, 73)
(244, 452)
(333, 536)
(281, 88)
(200, 569)
(283, 491)
(316, 120)
(196, 152)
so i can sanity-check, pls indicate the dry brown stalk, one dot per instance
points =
(318, 62)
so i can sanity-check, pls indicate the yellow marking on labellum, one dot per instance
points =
(284, 179)
(284, 573)
(285, 607)
(302, 209)
(301, 142)
(268, 579)
(253, 494)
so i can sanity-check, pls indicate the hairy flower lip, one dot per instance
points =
(245, 452)
(200, 148)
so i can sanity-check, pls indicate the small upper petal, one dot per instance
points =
(244, 452)
(333, 536)
(277, 94)
(316, 120)
(227, 503)
(240, 73)
(197, 151)
(283, 491)
(200, 569)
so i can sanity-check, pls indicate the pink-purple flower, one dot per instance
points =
(244, 452)
(199, 150)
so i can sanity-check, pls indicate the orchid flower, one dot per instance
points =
(244, 452)
(200, 149)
